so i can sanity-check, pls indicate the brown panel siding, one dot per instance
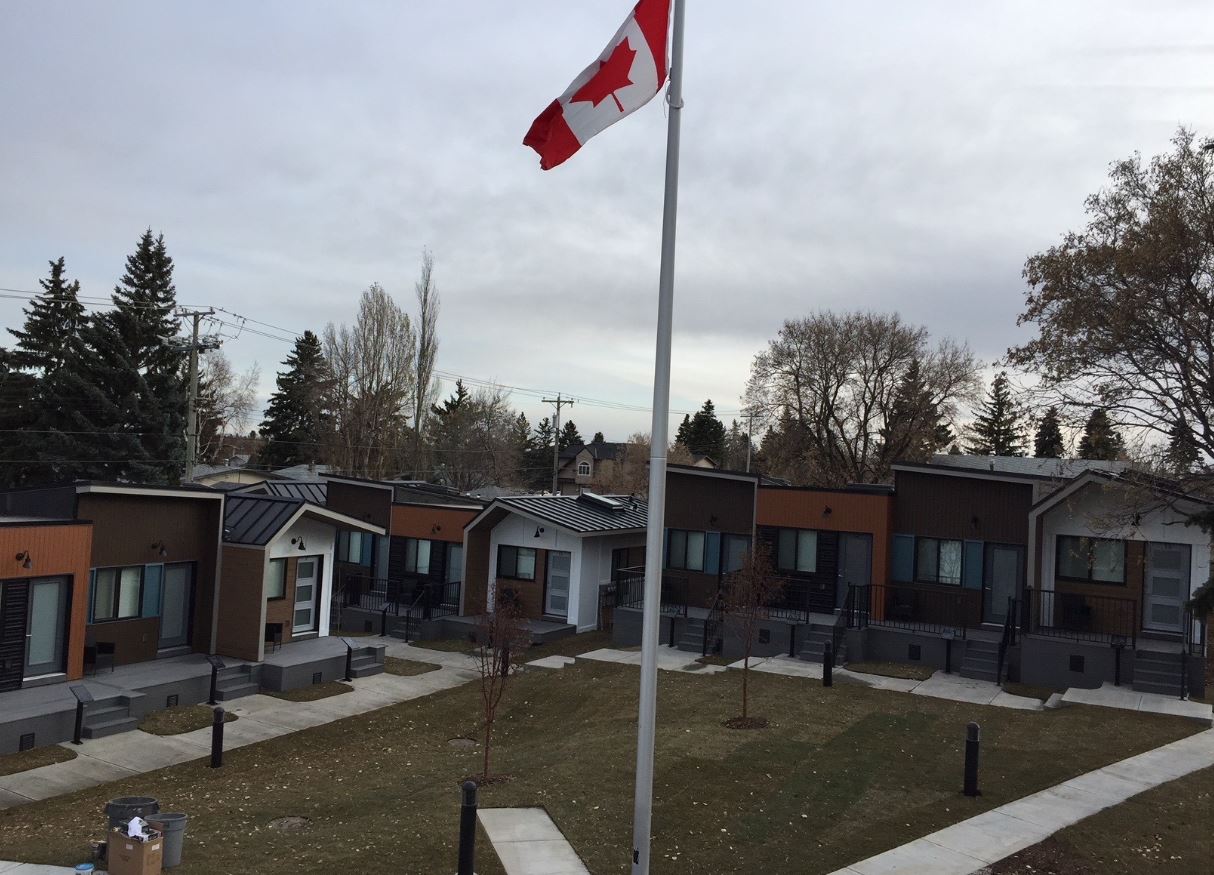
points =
(241, 630)
(530, 592)
(476, 563)
(855, 512)
(939, 506)
(61, 550)
(418, 521)
(283, 610)
(367, 503)
(709, 504)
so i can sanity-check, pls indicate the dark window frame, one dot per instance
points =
(919, 578)
(509, 569)
(796, 549)
(279, 598)
(117, 597)
(1091, 539)
(682, 560)
(416, 544)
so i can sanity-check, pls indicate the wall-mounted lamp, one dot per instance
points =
(974, 521)
(435, 529)
(160, 549)
(539, 530)
(24, 558)
(712, 520)
(827, 511)
(299, 542)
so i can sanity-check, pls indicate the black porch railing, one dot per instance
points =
(1193, 643)
(1008, 638)
(1081, 617)
(915, 608)
(630, 591)
(411, 596)
(797, 598)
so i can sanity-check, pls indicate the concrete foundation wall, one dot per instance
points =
(894, 645)
(1046, 662)
(47, 729)
(775, 631)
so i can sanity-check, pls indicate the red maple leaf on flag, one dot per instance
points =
(612, 76)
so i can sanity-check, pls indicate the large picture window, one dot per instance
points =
(938, 561)
(276, 585)
(736, 548)
(797, 550)
(516, 563)
(417, 556)
(685, 550)
(117, 593)
(1092, 560)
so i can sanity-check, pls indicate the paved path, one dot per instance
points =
(1110, 696)
(669, 659)
(528, 843)
(973, 844)
(261, 717)
(32, 869)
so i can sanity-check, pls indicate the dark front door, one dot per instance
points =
(855, 564)
(14, 610)
(177, 596)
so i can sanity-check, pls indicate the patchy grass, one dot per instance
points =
(1165, 830)
(23, 761)
(893, 670)
(1032, 692)
(408, 667)
(182, 718)
(885, 766)
(570, 645)
(314, 692)
(718, 659)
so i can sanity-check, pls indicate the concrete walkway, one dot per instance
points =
(1109, 696)
(939, 686)
(261, 717)
(32, 869)
(973, 844)
(669, 659)
(528, 843)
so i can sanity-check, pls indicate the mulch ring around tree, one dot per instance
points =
(482, 781)
(290, 824)
(745, 723)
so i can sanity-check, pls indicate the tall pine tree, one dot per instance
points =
(52, 324)
(1101, 440)
(1047, 442)
(704, 434)
(914, 429)
(996, 430)
(569, 435)
(296, 414)
(1182, 454)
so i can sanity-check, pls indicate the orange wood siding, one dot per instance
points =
(418, 521)
(857, 512)
(55, 550)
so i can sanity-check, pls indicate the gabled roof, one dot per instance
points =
(583, 514)
(598, 450)
(1168, 491)
(303, 472)
(314, 491)
(254, 520)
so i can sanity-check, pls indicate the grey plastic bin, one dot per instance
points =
(173, 826)
(121, 810)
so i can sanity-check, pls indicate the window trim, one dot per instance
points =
(416, 543)
(117, 596)
(796, 549)
(686, 538)
(1091, 539)
(580, 466)
(514, 575)
(939, 542)
(277, 598)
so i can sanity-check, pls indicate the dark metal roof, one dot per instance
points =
(255, 519)
(581, 513)
(1015, 466)
(313, 491)
(417, 492)
(598, 450)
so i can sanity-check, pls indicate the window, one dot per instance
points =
(583, 469)
(797, 550)
(685, 550)
(355, 547)
(938, 561)
(1098, 560)
(276, 584)
(455, 563)
(117, 593)
(736, 548)
(516, 563)
(417, 556)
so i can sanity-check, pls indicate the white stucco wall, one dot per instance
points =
(596, 572)
(319, 540)
(1093, 512)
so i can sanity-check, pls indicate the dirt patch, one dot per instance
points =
(408, 667)
(11, 763)
(292, 823)
(462, 743)
(745, 723)
(181, 718)
(314, 692)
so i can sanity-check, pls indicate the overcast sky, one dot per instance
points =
(888, 156)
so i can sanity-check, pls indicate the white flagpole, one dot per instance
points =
(654, 535)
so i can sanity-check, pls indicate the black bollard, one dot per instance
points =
(948, 655)
(1117, 664)
(506, 661)
(349, 663)
(828, 665)
(217, 738)
(76, 736)
(212, 699)
(467, 829)
(972, 740)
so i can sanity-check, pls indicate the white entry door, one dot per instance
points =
(1167, 586)
(556, 600)
(307, 581)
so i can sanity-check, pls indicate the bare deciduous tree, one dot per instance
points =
(428, 305)
(748, 593)
(501, 637)
(833, 381)
(225, 402)
(374, 381)
(473, 438)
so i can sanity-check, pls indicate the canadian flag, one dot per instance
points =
(626, 76)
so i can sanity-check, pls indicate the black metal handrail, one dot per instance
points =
(857, 605)
(713, 622)
(1191, 646)
(798, 597)
(920, 609)
(1082, 617)
(630, 591)
(1007, 639)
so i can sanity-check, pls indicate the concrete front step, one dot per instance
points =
(226, 693)
(364, 671)
(1159, 689)
(113, 726)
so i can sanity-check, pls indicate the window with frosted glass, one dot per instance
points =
(938, 561)
(117, 593)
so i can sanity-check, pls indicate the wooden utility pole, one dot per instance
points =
(556, 439)
(191, 416)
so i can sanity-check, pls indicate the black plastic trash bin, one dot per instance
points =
(173, 827)
(121, 810)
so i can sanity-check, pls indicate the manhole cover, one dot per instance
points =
(462, 743)
(290, 824)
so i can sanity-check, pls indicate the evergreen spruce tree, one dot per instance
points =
(17, 388)
(736, 440)
(52, 324)
(598, 438)
(538, 475)
(1182, 454)
(914, 429)
(1101, 440)
(681, 435)
(296, 414)
(569, 435)
(704, 434)
(132, 384)
(1048, 443)
(996, 430)
(520, 440)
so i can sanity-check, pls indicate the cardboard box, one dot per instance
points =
(127, 856)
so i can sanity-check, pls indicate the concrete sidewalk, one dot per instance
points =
(261, 717)
(669, 659)
(32, 869)
(1109, 696)
(528, 843)
(973, 844)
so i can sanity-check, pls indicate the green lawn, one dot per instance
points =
(840, 774)
(1166, 830)
(182, 718)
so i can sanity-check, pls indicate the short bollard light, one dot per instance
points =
(349, 660)
(467, 828)
(828, 666)
(973, 734)
(83, 698)
(216, 664)
(217, 738)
